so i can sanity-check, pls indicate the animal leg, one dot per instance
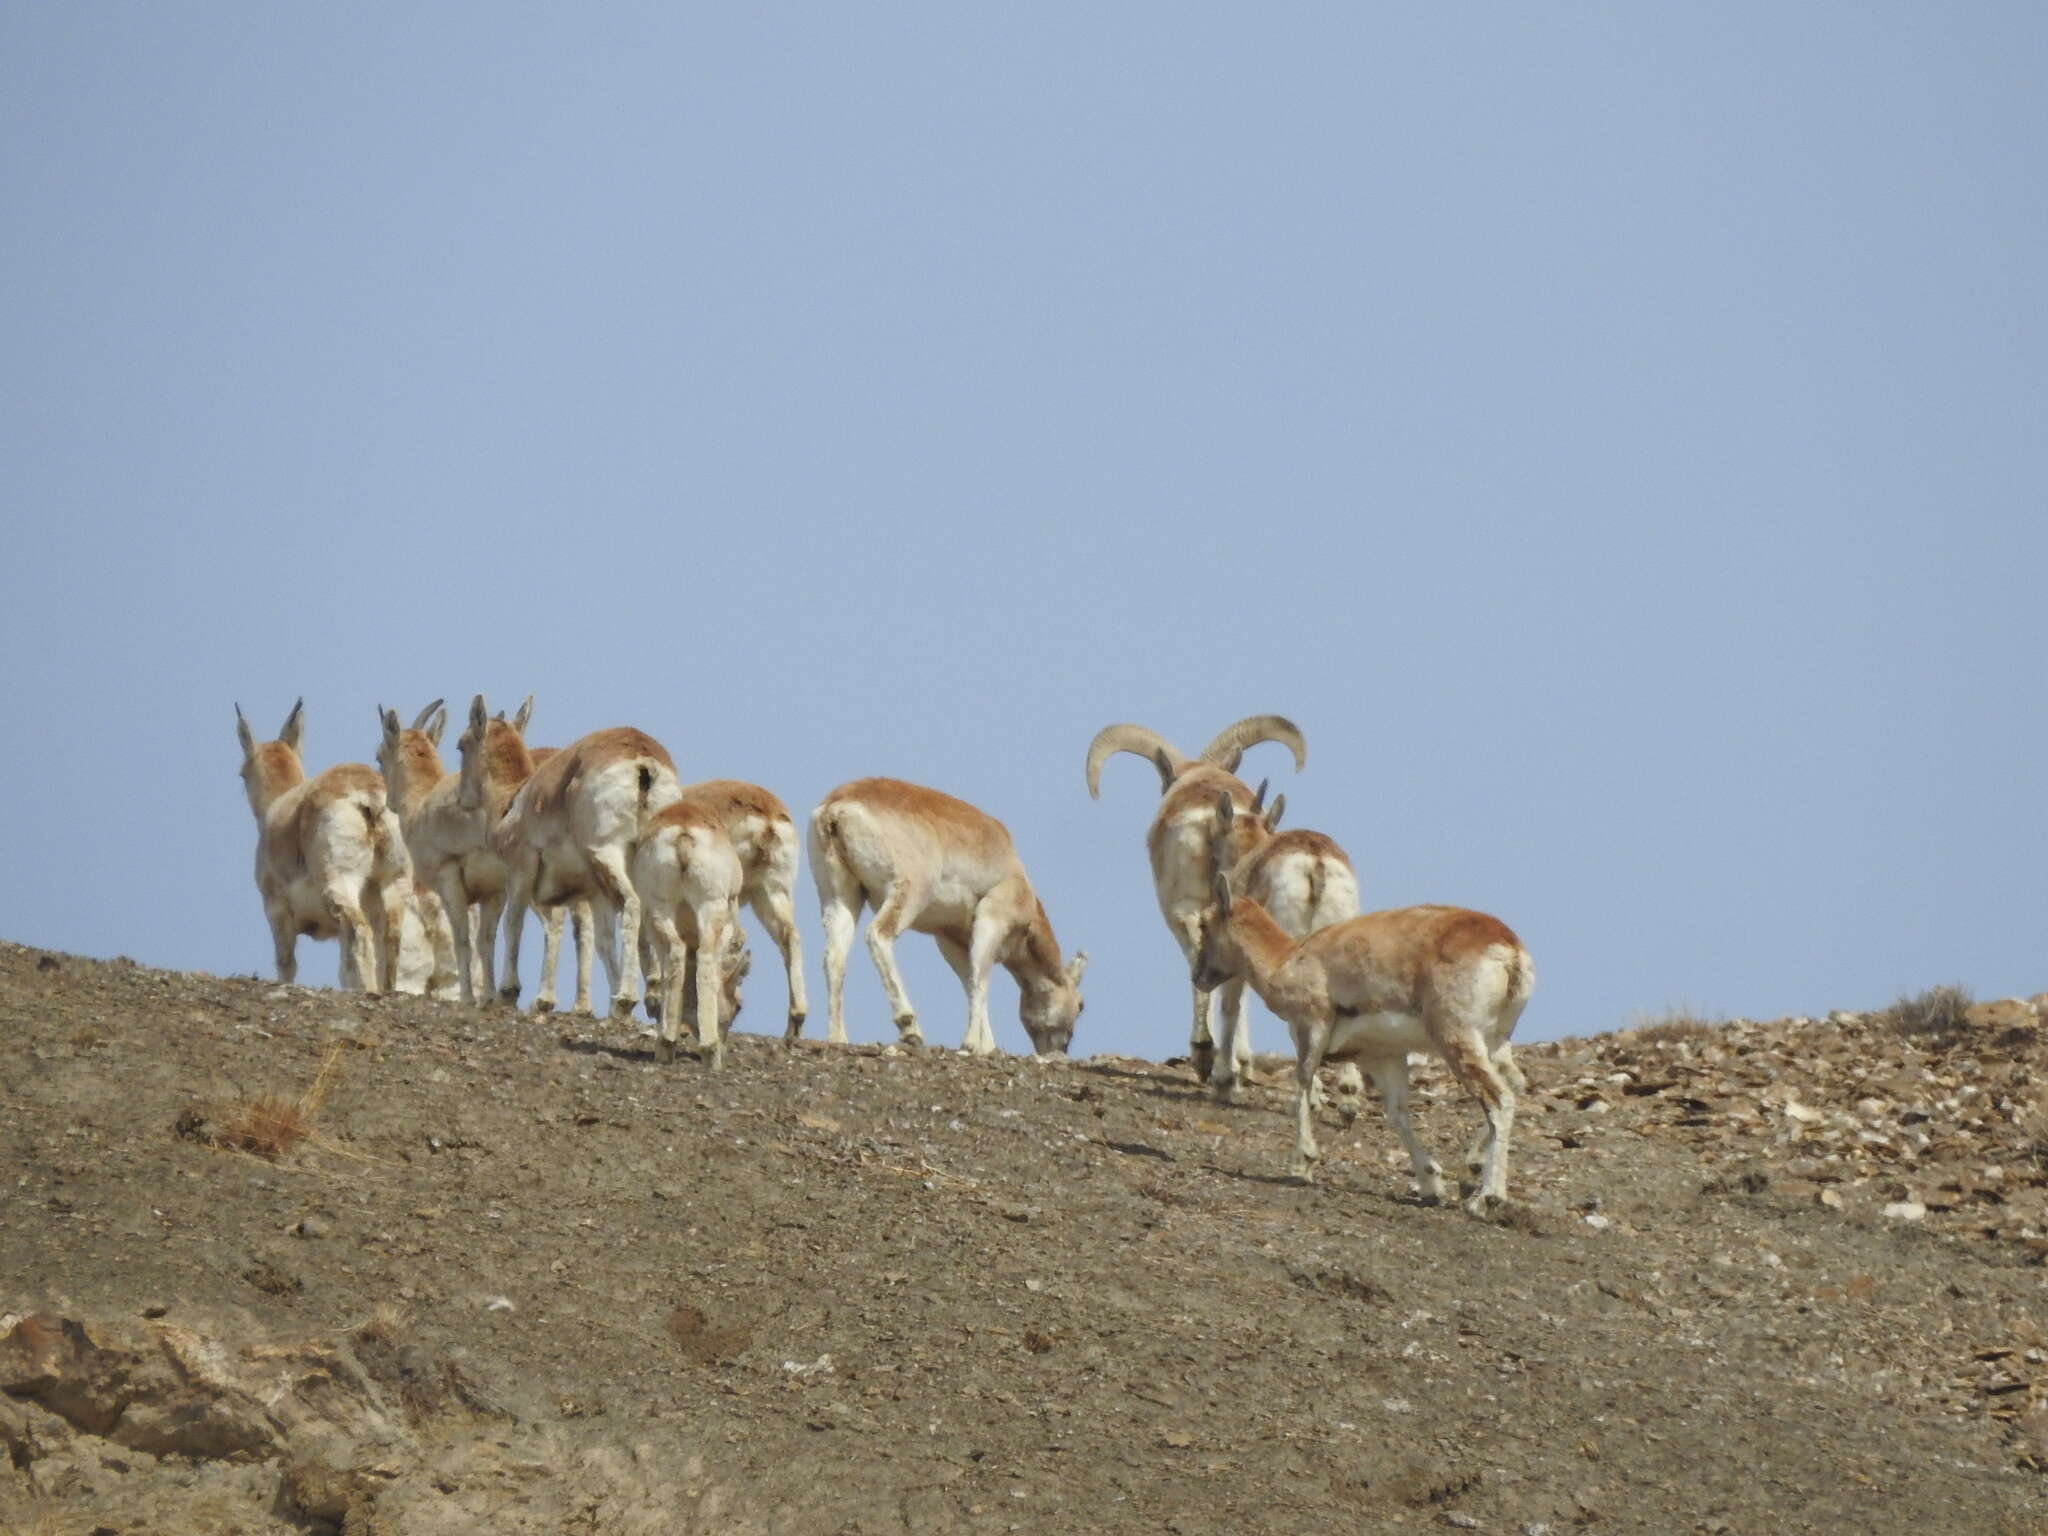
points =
(986, 938)
(483, 921)
(585, 926)
(284, 940)
(358, 952)
(1311, 1039)
(778, 915)
(439, 907)
(1473, 1064)
(890, 919)
(518, 893)
(1392, 1077)
(711, 937)
(1232, 1063)
(671, 942)
(608, 865)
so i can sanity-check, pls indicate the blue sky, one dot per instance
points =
(1613, 432)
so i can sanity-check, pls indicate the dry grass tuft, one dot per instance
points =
(1937, 1015)
(384, 1324)
(1679, 1026)
(270, 1125)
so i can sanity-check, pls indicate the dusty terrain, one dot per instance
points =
(517, 1278)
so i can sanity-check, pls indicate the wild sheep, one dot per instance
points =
(689, 877)
(409, 757)
(1305, 881)
(1444, 980)
(578, 911)
(1179, 844)
(926, 861)
(763, 834)
(569, 832)
(330, 857)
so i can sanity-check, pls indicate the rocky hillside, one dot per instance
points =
(275, 1260)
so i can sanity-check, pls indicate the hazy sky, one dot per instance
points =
(1615, 433)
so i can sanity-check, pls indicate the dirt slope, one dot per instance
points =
(519, 1279)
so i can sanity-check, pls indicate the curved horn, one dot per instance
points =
(1227, 750)
(420, 722)
(1112, 739)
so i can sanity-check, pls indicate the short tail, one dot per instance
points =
(830, 868)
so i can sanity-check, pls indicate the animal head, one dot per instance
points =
(493, 747)
(1236, 834)
(412, 752)
(1050, 1007)
(1216, 957)
(269, 768)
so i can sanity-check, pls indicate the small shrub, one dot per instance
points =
(1938, 1014)
(270, 1125)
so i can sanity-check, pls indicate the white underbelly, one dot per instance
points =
(950, 908)
(1371, 1036)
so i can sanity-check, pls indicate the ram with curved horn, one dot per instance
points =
(1180, 843)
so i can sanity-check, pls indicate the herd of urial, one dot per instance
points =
(605, 827)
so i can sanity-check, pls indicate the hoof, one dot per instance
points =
(509, 995)
(543, 1005)
(1486, 1207)
(664, 1051)
(1227, 1090)
(622, 1007)
(715, 1058)
(1203, 1057)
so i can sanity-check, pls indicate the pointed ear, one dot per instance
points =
(1226, 812)
(420, 720)
(1165, 766)
(387, 719)
(1219, 892)
(1074, 970)
(478, 719)
(524, 714)
(1259, 800)
(1275, 811)
(294, 729)
(438, 724)
(246, 736)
